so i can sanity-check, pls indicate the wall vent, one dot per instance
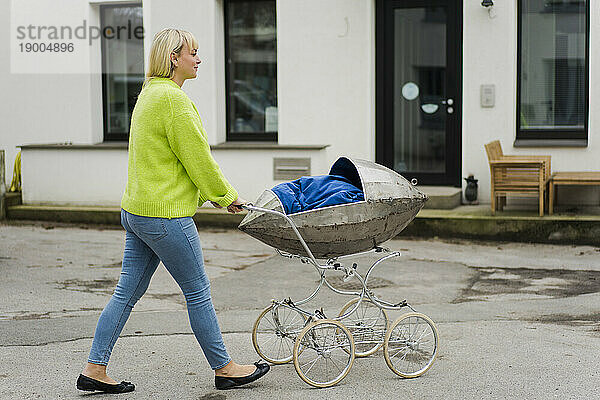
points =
(286, 169)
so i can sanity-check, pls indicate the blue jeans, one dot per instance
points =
(175, 242)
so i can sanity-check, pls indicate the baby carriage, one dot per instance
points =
(323, 349)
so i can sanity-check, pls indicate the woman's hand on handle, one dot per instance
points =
(236, 206)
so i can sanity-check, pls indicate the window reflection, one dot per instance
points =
(251, 70)
(420, 59)
(553, 65)
(123, 67)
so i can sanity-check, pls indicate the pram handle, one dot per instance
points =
(251, 207)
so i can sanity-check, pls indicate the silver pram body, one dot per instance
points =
(390, 203)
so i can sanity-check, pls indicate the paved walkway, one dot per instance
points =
(515, 320)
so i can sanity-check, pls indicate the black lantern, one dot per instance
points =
(471, 189)
(487, 3)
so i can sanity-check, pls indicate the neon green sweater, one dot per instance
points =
(171, 171)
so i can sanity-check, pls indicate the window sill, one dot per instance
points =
(105, 2)
(550, 143)
(266, 146)
(69, 146)
(122, 145)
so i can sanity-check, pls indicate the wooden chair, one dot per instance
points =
(520, 175)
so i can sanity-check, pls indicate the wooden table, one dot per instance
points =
(571, 178)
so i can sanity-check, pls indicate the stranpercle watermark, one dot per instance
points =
(83, 31)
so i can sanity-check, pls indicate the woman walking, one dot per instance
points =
(170, 173)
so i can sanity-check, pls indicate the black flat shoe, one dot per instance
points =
(90, 385)
(223, 383)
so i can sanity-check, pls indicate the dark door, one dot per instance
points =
(419, 103)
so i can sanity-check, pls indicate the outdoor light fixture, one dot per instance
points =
(489, 6)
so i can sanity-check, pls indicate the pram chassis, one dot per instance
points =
(409, 343)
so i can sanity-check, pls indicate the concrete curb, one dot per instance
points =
(2, 187)
(464, 222)
(110, 215)
(558, 230)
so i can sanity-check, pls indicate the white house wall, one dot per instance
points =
(325, 74)
(251, 171)
(81, 177)
(48, 107)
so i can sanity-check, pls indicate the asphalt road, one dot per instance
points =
(516, 321)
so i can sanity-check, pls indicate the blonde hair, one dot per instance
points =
(165, 43)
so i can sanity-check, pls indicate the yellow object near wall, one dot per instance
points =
(15, 185)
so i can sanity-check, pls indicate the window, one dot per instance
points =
(552, 89)
(122, 66)
(251, 70)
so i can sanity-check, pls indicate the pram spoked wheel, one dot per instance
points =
(368, 325)
(323, 353)
(410, 345)
(275, 331)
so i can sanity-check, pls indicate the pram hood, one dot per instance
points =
(376, 181)
(391, 203)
